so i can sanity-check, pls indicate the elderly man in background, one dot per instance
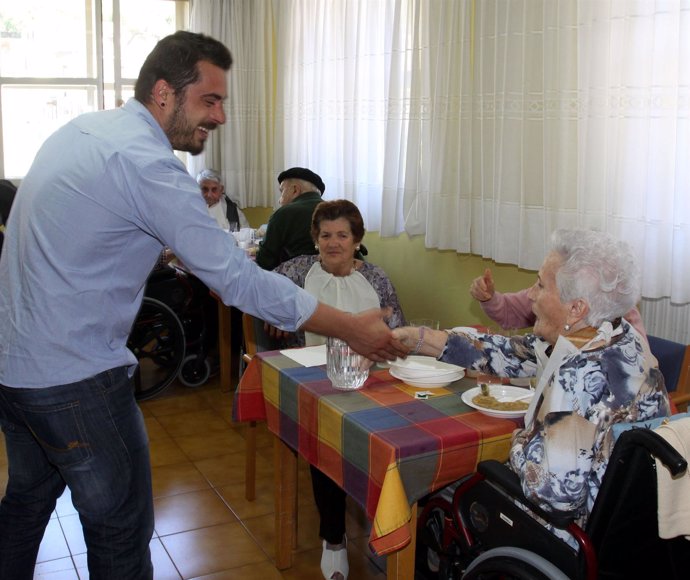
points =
(220, 207)
(288, 233)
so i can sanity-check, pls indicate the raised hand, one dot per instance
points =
(482, 288)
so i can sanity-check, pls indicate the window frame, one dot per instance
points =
(94, 23)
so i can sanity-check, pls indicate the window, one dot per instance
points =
(61, 58)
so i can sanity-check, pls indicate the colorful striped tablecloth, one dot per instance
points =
(386, 448)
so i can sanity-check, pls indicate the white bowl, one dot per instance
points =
(498, 391)
(424, 366)
(428, 382)
(414, 374)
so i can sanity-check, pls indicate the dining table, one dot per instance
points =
(384, 444)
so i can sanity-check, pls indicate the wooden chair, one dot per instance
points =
(674, 364)
(254, 340)
(681, 395)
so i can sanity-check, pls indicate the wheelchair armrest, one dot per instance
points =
(657, 446)
(501, 475)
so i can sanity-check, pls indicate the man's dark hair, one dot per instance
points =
(175, 59)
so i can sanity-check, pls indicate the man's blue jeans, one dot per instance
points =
(89, 435)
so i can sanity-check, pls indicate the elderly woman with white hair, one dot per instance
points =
(593, 368)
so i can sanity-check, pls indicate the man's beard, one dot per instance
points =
(181, 133)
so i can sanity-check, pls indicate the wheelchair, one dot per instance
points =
(170, 336)
(482, 534)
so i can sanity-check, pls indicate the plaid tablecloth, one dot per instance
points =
(383, 446)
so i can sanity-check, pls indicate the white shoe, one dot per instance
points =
(334, 564)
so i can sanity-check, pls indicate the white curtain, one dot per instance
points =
(243, 148)
(634, 141)
(524, 128)
(482, 125)
(331, 63)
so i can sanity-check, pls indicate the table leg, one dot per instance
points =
(400, 564)
(224, 346)
(285, 481)
(250, 462)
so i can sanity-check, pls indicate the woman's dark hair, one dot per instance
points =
(332, 210)
(175, 59)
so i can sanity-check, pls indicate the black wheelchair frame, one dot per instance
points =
(170, 334)
(483, 534)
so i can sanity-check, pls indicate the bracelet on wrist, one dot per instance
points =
(420, 342)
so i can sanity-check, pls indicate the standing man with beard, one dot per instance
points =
(103, 197)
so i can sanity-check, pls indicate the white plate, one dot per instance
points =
(440, 382)
(406, 373)
(497, 391)
(430, 380)
(416, 365)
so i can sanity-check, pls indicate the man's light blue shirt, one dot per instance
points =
(103, 197)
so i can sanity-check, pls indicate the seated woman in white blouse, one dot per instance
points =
(335, 276)
(338, 279)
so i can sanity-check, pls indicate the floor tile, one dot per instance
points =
(166, 452)
(71, 527)
(64, 505)
(163, 566)
(154, 429)
(62, 569)
(223, 469)
(215, 549)
(177, 478)
(260, 571)
(54, 545)
(203, 422)
(169, 405)
(190, 511)
(202, 446)
(234, 496)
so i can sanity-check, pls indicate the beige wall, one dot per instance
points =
(430, 283)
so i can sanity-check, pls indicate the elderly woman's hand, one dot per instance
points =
(407, 335)
(422, 340)
(482, 288)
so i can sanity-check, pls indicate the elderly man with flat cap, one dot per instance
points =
(288, 233)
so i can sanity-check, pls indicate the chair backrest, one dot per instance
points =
(674, 364)
(624, 517)
(255, 337)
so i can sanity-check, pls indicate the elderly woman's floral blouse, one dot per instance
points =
(562, 454)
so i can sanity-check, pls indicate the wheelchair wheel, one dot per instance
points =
(195, 370)
(508, 563)
(157, 340)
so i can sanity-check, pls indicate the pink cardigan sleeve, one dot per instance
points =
(510, 310)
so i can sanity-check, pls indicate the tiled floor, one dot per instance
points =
(204, 526)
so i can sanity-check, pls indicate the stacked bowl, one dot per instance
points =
(425, 372)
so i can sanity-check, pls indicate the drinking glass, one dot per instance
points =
(347, 369)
